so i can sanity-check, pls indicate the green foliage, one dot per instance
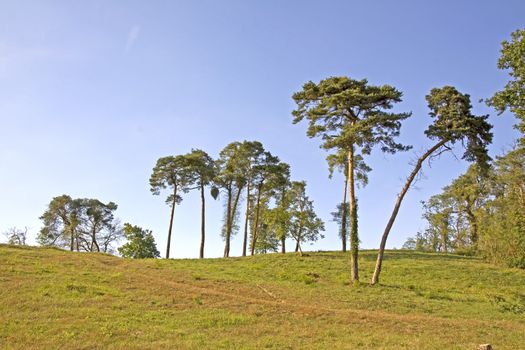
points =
(60, 222)
(173, 173)
(454, 121)
(200, 167)
(82, 224)
(231, 180)
(305, 226)
(512, 97)
(502, 224)
(339, 161)
(267, 240)
(346, 112)
(140, 245)
(338, 215)
(482, 213)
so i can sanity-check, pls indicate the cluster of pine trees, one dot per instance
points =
(82, 224)
(275, 209)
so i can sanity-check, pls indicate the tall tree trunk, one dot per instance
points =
(245, 241)
(94, 239)
(473, 223)
(401, 195)
(256, 225)
(445, 239)
(203, 221)
(343, 219)
(283, 244)
(298, 238)
(171, 222)
(233, 210)
(228, 224)
(354, 237)
(72, 245)
(300, 250)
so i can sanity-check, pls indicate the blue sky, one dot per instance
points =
(92, 93)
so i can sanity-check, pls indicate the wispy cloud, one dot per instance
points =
(133, 35)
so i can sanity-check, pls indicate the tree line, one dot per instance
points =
(481, 211)
(276, 208)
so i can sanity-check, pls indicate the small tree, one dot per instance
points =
(267, 240)
(16, 236)
(173, 173)
(439, 215)
(453, 123)
(305, 226)
(140, 245)
(340, 217)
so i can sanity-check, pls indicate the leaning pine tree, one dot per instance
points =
(453, 123)
(353, 117)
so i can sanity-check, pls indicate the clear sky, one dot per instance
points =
(92, 93)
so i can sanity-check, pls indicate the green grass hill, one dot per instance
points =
(54, 299)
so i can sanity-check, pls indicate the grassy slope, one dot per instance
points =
(55, 299)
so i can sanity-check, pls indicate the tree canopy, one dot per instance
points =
(512, 97)
(140, 243)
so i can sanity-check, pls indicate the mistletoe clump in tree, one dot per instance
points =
(351, 117)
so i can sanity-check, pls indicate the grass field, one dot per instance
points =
(51, 299)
